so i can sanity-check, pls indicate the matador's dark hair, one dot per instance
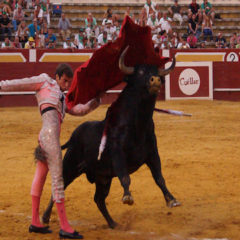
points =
(64, 68)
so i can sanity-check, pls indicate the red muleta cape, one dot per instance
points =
(101, 71)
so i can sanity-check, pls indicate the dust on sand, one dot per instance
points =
(200, 163)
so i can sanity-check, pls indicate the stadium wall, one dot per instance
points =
(225, 70)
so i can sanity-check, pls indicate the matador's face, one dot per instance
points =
(64, 82)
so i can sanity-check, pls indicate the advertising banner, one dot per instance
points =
(190, 80)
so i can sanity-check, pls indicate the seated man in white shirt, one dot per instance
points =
(165, 23)
(150, 7)
(157, 40)
(153, 23)
(102, 39)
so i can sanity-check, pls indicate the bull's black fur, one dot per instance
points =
(131, 142)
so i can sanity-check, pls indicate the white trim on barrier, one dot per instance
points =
(227, 89)
(33, 93)
(17, 93)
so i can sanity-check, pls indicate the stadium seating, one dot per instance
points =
(77, 10)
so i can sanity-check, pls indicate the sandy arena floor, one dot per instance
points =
(200, 162)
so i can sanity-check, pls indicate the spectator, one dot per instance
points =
(92, 41)
(193, 26)
(16, 43)
(22, 3)
(78, 39)
(64, 27)
(159, 16)
(18, 17)
(41, 39)
(131, 15)
(207, 30)
(192, 40)
(50, 39)
(22, 34)
(90, 21)
(7, 43)
(153, 23)
(117, 28)
(165, 23)
(238, 46)
(234, 40)
(202, 44)
(33, 28)
(166, 44)
(68, 44)
(157, 40)
(30, 44)
(38, 14)
(84, 45)
(109, 29)
(194, 8)
(207, 10)
(45, 6)
(220, 41)
(176, 12)
(174, 40)
(143, 18)
(150, 8)
(102, 39)
(5, 25)
(5, 8)
(164, 35)
(109, 16)
(183, 43)
(44, 28)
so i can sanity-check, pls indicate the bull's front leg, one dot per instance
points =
(155, 166)
(120, 168)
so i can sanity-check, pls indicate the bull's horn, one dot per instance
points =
(163, 72)
(122, 66)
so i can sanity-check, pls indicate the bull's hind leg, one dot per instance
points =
(155, 166)
(102, 190)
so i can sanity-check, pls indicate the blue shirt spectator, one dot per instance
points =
(50, 39)
(33, 28)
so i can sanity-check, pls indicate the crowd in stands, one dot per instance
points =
(15, 33)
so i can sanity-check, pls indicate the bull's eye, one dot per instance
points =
(152, 79)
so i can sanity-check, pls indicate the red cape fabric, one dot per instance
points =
(101, 71)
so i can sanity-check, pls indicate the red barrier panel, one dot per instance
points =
(226, 81)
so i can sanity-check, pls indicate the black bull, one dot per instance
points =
(131, 140)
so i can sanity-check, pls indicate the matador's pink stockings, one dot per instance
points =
(36, 192)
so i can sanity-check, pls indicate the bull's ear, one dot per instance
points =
(164, 72)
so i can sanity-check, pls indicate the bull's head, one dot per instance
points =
(148, 75)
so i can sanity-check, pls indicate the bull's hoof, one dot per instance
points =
(128, 199)
(173, 203)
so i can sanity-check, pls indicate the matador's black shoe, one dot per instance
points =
(67, 235)
(42, 230)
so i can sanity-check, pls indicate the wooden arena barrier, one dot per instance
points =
(16, 63)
